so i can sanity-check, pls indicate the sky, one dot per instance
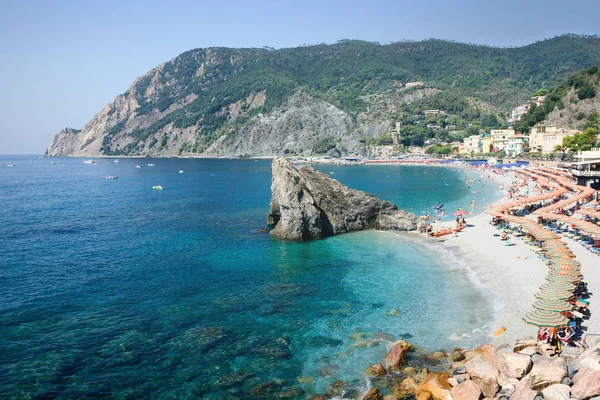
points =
(62, 61)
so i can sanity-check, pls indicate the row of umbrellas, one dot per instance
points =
(564, 273)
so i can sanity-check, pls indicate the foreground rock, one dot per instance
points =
(397, 355)
(307, 205)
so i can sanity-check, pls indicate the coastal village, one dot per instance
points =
(542, 139)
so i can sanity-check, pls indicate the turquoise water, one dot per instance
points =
(110, 288)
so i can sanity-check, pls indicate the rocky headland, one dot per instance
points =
(308, 205)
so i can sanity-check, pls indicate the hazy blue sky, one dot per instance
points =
(63, 61)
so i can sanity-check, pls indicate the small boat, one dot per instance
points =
(111, 177)
(10, 165)
(89, 162)
(115, 161)
(151, 165)
(52, 163)
(138, 166)
(157, 187)
(181, 171)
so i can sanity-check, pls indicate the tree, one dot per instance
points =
(581, 141)
(586, 92)
(541, 92)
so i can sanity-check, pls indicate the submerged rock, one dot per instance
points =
(376, 370)
(307, 205)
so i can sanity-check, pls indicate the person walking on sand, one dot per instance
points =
(473, 205)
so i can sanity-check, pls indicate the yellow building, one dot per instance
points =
(499, 138)
(486, 145)
(536, 136)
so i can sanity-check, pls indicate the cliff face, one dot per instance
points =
(307, 205)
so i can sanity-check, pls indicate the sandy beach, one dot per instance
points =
(515, 273)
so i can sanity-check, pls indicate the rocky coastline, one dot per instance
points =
(528, 371)
(308, 205)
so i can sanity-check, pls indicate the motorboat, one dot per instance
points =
(10, 165)
(115, 161)
(138, 166)
(181, 171)
(111, 177)
(151, 165)
(89, 162)
(157, 187)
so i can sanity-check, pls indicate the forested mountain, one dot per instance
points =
(232, 102)
(574, 104)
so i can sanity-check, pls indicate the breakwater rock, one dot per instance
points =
(307, 205)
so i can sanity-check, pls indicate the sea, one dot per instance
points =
(111, 288)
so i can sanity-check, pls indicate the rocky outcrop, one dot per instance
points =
(307, 205)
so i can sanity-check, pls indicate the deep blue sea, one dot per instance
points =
(111, 288)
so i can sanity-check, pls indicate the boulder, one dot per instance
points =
(462, 377)
(307, 205)
(590, 358)
(477, 367)
(459, 370)
(436, 357)
(434, 386)
(404, 389)
(421, 375)
(409, 371)
(523, 391)
(489, 385)
(376, 370)
(586, 384)
(466, 390)
(543, 375)
(524, 342)
(456, 355)
(373, 394)
(557, 392)
(528, 351)
(397, 355)
(516, 365)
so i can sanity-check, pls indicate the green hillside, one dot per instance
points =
(207, 91)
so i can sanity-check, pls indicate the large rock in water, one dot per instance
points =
(307, 205)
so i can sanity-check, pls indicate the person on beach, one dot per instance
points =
(473, 205)
(553, 339)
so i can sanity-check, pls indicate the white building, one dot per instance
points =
(515, 144)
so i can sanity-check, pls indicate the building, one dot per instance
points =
(433, 127)
(499, 138)
(485, 143)
(537, 100)
(587, 168)
(431, 113)
(519, 111)
(555, 138)
(451, 127)
(477, 144)
(515, 145)
(414, 84)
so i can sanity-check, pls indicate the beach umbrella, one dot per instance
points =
(556, 278)
(545, 318)
(554, 294)
(560, 285)
(552, 305)
(460, 212)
